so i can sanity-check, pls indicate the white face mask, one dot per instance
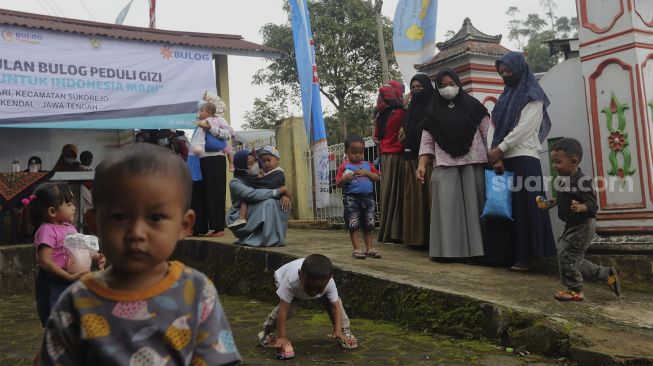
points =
(163, 142)
(70, 160)
(253, 170)
(449, 92)
(34, 168)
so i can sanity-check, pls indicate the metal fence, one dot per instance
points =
(333, 212)
(257, 144)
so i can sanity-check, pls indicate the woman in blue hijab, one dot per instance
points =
(521, 125)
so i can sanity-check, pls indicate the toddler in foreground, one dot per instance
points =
(143, 309)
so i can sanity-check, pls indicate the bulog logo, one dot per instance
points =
(168, 53)
(27, 37)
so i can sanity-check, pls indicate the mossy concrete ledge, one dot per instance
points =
(246, 271)
(17, 269)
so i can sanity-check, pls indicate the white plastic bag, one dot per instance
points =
(80, 249)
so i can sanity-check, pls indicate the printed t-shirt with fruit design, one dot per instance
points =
(179, 321)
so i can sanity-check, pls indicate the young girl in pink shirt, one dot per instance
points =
(52, 208)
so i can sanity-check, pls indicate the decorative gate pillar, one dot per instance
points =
(616, 53)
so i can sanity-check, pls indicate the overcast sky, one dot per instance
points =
(245, 17)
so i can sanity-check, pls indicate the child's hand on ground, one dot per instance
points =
(578, 207)
(346, 340)
(282, 342)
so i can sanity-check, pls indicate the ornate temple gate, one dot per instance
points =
(616, 53)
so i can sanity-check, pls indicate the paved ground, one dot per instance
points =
(617, 326)
(380, 343)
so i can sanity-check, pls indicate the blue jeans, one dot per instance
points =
(359, 212)
(48, 290)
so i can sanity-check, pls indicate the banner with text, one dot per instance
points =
(59, 80)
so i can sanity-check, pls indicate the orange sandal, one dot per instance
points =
(568, 295)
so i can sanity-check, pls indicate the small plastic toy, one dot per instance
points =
(543, 203)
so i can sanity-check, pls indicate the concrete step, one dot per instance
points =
(461, 300)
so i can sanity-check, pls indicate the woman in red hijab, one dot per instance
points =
(388, 117)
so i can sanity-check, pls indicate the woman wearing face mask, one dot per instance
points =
(67, 160)
(417, 198)
(455, 135)
(521, 124)
(268, 209)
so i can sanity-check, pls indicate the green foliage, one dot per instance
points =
(264, 114)
(347, 56)
(531, 34)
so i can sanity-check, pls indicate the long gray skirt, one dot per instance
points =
(457, 203)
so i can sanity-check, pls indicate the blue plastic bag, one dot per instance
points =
(498, 195)
(193, 163)
(214, 144)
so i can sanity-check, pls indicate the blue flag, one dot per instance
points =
(123, 13)
(413, 34)
(309, 85)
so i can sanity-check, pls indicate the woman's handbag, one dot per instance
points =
(193, 163)
(498, 195)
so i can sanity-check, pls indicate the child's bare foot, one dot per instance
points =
(232, 168)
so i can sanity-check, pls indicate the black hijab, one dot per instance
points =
(415, 118)
(453, 123)
(273, 180)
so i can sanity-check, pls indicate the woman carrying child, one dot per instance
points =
(210, 143)
(268, 209)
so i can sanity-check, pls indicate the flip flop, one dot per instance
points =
(568, 295)
(518, 267)
(358, 254)
(372, 254)
(613, 282)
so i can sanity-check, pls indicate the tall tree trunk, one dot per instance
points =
(343, 124)
(378, 4)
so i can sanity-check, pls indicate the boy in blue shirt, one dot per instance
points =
(356, 178)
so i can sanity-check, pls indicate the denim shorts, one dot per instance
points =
(359, 212)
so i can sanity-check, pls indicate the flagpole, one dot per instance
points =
(152, 14)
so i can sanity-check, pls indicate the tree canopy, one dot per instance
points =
(347, 58)
(532, 32)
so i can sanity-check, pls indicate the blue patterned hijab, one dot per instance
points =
(508, 109)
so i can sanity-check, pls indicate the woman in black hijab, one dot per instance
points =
(455, 134)
(417, 198)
